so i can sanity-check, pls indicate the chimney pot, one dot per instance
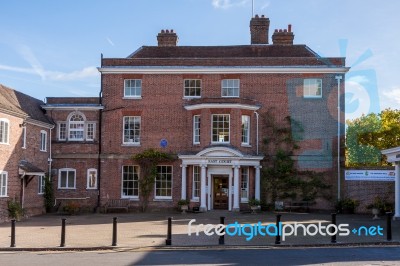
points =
(289, 28)
(283, 36)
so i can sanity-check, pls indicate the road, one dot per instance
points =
(248, 256)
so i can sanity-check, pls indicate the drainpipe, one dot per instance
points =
(257, 118)
(100, 133)
(338, 78)
(50, 160)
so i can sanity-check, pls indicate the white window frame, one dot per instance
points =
(43, 140)
(4, 131)
(212, 129)
(196, 129)
(244, 174)
(189, 87)
(133, 142)
(66, 182)
(3, 184)
(245, 130)
(136, 171)
(134, 88)
(23, 137)
(171, 183)
(196, 184)
(88, 178)
(309, 84)
(41, 184)
(80, 129)
(93, 131)
(65, 124)
(228, 87)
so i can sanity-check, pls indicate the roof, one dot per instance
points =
(224, 51)
(239, 55)
(29, 168)
(20, 104)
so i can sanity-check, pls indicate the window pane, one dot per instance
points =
(192, 88)
(133, 88)
(132, 129)
(230, 88)
(220, 128)
(71, 179)
(63, 179)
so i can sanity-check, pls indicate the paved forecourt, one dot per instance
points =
(137, 230)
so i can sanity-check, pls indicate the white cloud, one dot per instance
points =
(358, 79)
(393, 95)
(225, 4)
(86, 72)
(28, 56)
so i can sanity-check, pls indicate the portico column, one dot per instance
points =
(203, 206)
(236, 194)
(257, 182)
(397, 191)
(183, 193)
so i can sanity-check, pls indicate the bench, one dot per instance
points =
(117, 204)
(297, 205)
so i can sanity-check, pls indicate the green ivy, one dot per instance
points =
(148, 161)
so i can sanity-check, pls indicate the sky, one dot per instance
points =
(53, 48)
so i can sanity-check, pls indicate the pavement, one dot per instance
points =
(149, 230)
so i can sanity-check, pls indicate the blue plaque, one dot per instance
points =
(163, 143)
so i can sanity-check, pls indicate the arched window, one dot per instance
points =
(76, 127)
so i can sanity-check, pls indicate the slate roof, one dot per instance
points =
(224, 51)
(29, 167)
(20, 104)
(215, 56)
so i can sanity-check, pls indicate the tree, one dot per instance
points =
(367, 135)
(148, 161)
(281, 179)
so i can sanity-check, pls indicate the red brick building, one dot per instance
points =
(203, 103)
(24, 151)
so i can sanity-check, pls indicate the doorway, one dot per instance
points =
(221, 192)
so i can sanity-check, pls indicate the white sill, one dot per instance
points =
(195, 200)
(43, 150)
(230, 96)
(162, 199)
(191, 97)
(214, 143)
(244, 201)
(4, 196)
(130, 144)
(245, 145)
(66, 188)
(312, 97)
(91, 188)
(129, 198)
(132, 97)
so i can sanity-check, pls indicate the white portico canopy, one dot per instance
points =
(393, 156)
(220, 160)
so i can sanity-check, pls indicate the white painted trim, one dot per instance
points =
(74, 108)
(222, 105)
(220, 70)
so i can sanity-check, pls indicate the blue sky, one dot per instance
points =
(52, 48)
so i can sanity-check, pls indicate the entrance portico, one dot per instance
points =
(218, 164)
(393, 156)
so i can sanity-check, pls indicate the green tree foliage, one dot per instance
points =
(148, 161)
(48, 194)
(281, 179)
(367, 135)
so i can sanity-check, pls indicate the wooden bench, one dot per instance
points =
(117, 204)
(297, 205)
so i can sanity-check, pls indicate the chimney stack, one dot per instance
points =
(259, 27)
(167, 38)
(283, 37)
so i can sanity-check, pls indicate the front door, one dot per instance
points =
(221, 192)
